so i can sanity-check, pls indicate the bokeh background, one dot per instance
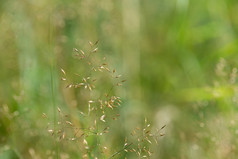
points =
(179, 58)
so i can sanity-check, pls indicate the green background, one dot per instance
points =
(179, 58)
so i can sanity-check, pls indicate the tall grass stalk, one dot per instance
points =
(52, 80)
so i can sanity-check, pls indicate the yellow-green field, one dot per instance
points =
(108, 79)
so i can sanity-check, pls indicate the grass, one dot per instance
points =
(178, 59)
(93, 114)
(80, 127)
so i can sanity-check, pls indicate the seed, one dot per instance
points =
(76, 50)
(95, 50)
(63, 71)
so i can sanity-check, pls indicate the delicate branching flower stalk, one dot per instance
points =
(99, 111)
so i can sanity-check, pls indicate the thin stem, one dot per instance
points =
(52, 83)
(116, 153)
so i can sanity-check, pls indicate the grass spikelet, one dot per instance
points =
(63, 71)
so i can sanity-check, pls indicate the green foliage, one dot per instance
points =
(178, 57)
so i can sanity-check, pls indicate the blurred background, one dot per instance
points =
(179, 58)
